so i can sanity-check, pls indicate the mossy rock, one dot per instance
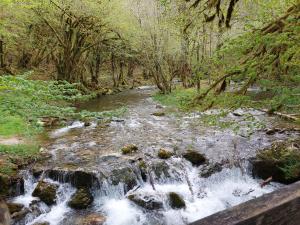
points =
(194, 157)
(81, 199)
(159, 114)
(124, 175)
(176, 202)
(129, 149)
(281, 161)
(164, 154)
(160, 169)
(46, 192)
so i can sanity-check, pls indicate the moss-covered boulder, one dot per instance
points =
(129, 149)
(149, 202)
(81, 199)
(194, 157)
(124, 174)
(176, 201)
(281, 161)
(46, 192)
(164, 154)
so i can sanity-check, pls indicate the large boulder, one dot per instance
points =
(281, 161)
(194, 157)
(46, 192)
(176, 201)
(149, 202)
(81, 199)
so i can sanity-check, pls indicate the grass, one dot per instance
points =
(179, 98)
(13, 125)
(22, 150)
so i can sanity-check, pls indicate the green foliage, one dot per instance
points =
(23, 150)
(179, 97)
(13, 125)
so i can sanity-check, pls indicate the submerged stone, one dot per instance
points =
(210, 169)
(46, 192)
(81, 199)
(160, 169)
(129, 149)
(194, 157)
(91, 219)
(176, 202)
(149, 202)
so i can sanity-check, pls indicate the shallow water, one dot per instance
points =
(96, 149)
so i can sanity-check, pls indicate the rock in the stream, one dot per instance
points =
(81, 199)
(77, 178)
(14, 207)
(164, 154)
(176, 202)
(160, 169)
(46, 192)
(11, 186)
(159, 114)
(91, 219)
(124, 175)
(129, 149)
(150, 202)
(194, 157)
(211, 169)
(281, 161)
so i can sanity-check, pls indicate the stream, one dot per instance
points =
(90, 156)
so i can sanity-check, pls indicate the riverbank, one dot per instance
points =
(27, 109)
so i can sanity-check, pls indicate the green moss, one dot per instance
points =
(285, 157)
(129, 149)
(164, 154)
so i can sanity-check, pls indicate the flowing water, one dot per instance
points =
(95, 151)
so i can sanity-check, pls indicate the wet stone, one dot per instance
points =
(91, 219)
(210, 169)
(81, 199)
(149, 202)
(46, 192)
(194, 157)
(176, 201)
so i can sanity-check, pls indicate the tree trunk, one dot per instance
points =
(1, 54)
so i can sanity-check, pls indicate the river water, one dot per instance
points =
(96, 150)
